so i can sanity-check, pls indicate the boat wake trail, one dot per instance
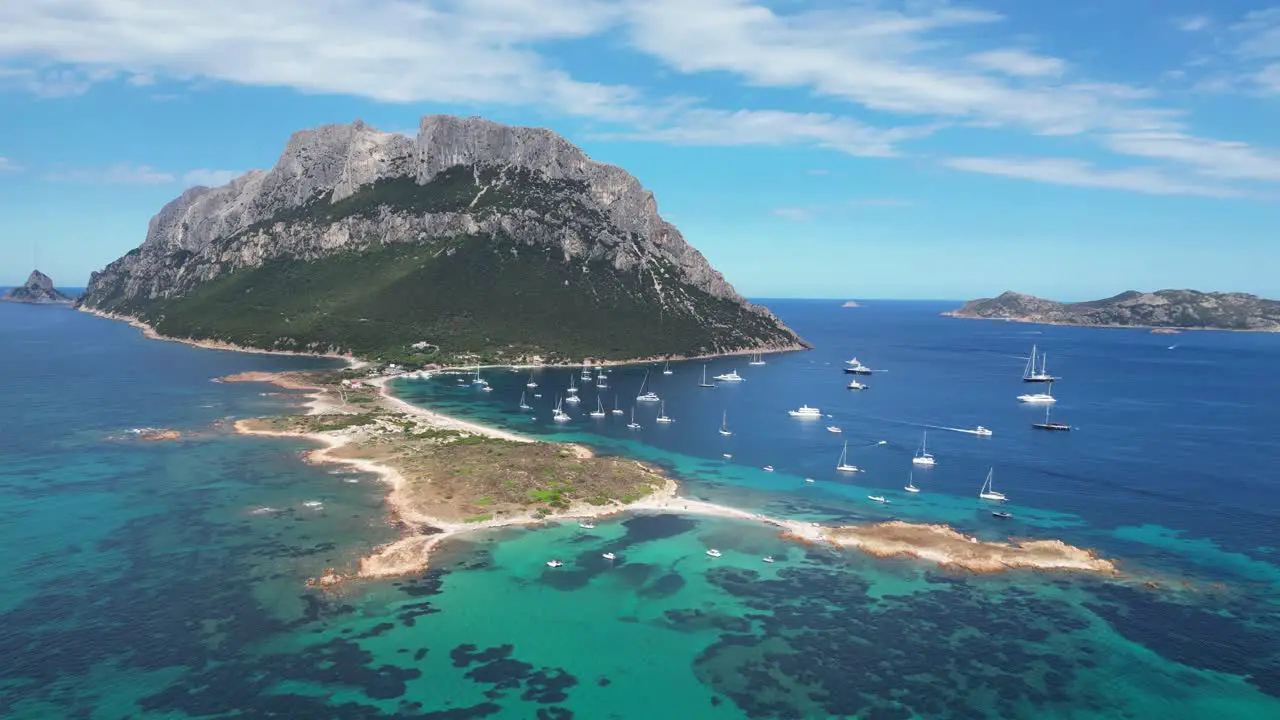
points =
(910, 423)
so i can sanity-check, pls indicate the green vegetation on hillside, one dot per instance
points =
(493, 297)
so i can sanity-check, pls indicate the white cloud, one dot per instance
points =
(1259, 34)
(699, 126)
(1220, 159)
(891, 61)
(1192, 23)
(131, 174)
(1268, 78)
(1019, 63)
(7, 165)
(210, 178)
(477, 51)
(793, 213)
(1077, 173)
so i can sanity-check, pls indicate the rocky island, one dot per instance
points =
(1169, 310)
(471, 241)
(37, 290)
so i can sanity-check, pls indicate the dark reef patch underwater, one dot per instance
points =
(167, 579)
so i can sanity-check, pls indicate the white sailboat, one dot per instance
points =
(477, 380)
(633, 425)
(724, 424)
(599, 411)
(757, 359)
(572, 389)
(662, 413)
(911, 484)
(922, 455)
(616, 410)
(843, 465)
(602, 380)
(524, 405)
(531, 383)
(573, 399)
(650, 396)
(559, 415)
(988, 492)
(666, 368)
(1031, 374)
(704, 382)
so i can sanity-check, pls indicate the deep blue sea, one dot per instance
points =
(167, 579)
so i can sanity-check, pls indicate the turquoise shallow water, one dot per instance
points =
(166, 580)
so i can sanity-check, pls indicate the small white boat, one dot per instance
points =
(988, 492)
(599, 411)
(731, 376)
(757, 359)
(809, 480)
(486, 388)
(609, 556)
(727, 456)
(587, 525)
(984, 432)
(805, 412)
(558, 414)
(714, 552)
(724, 426)
(616, 410)
(554, 563)
(767, 558)
(855, 385)
(1044, 397)
(768, 468)
(312, 504)
(524, 405)
(911, 485)
(922, 455)
(537, 395)
(662, 414)
(843, 465)
(666, 368)
(833, 429)
(531, 383)
(646, 396)
(572, 389)
(878, 498)
(633, 425)
(573, 399)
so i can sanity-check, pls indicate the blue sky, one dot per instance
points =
(824, 148)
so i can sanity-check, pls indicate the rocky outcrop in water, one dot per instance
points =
(38, 289)
(1162, 309)
(352, 191)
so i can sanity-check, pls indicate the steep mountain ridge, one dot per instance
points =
(1164, 308)
(351, 190)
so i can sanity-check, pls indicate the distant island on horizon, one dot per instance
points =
(38, 290)
(1160, 310)
(471, 242)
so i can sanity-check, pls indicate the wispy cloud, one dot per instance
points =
(1192, 23)
(1220, 159)
(8, 166)
(1019, 63)
(131, 174)
(1077, 173)
(808, 212)
(775, 128)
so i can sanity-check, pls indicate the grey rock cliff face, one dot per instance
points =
(38, 289)
(207, 232)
